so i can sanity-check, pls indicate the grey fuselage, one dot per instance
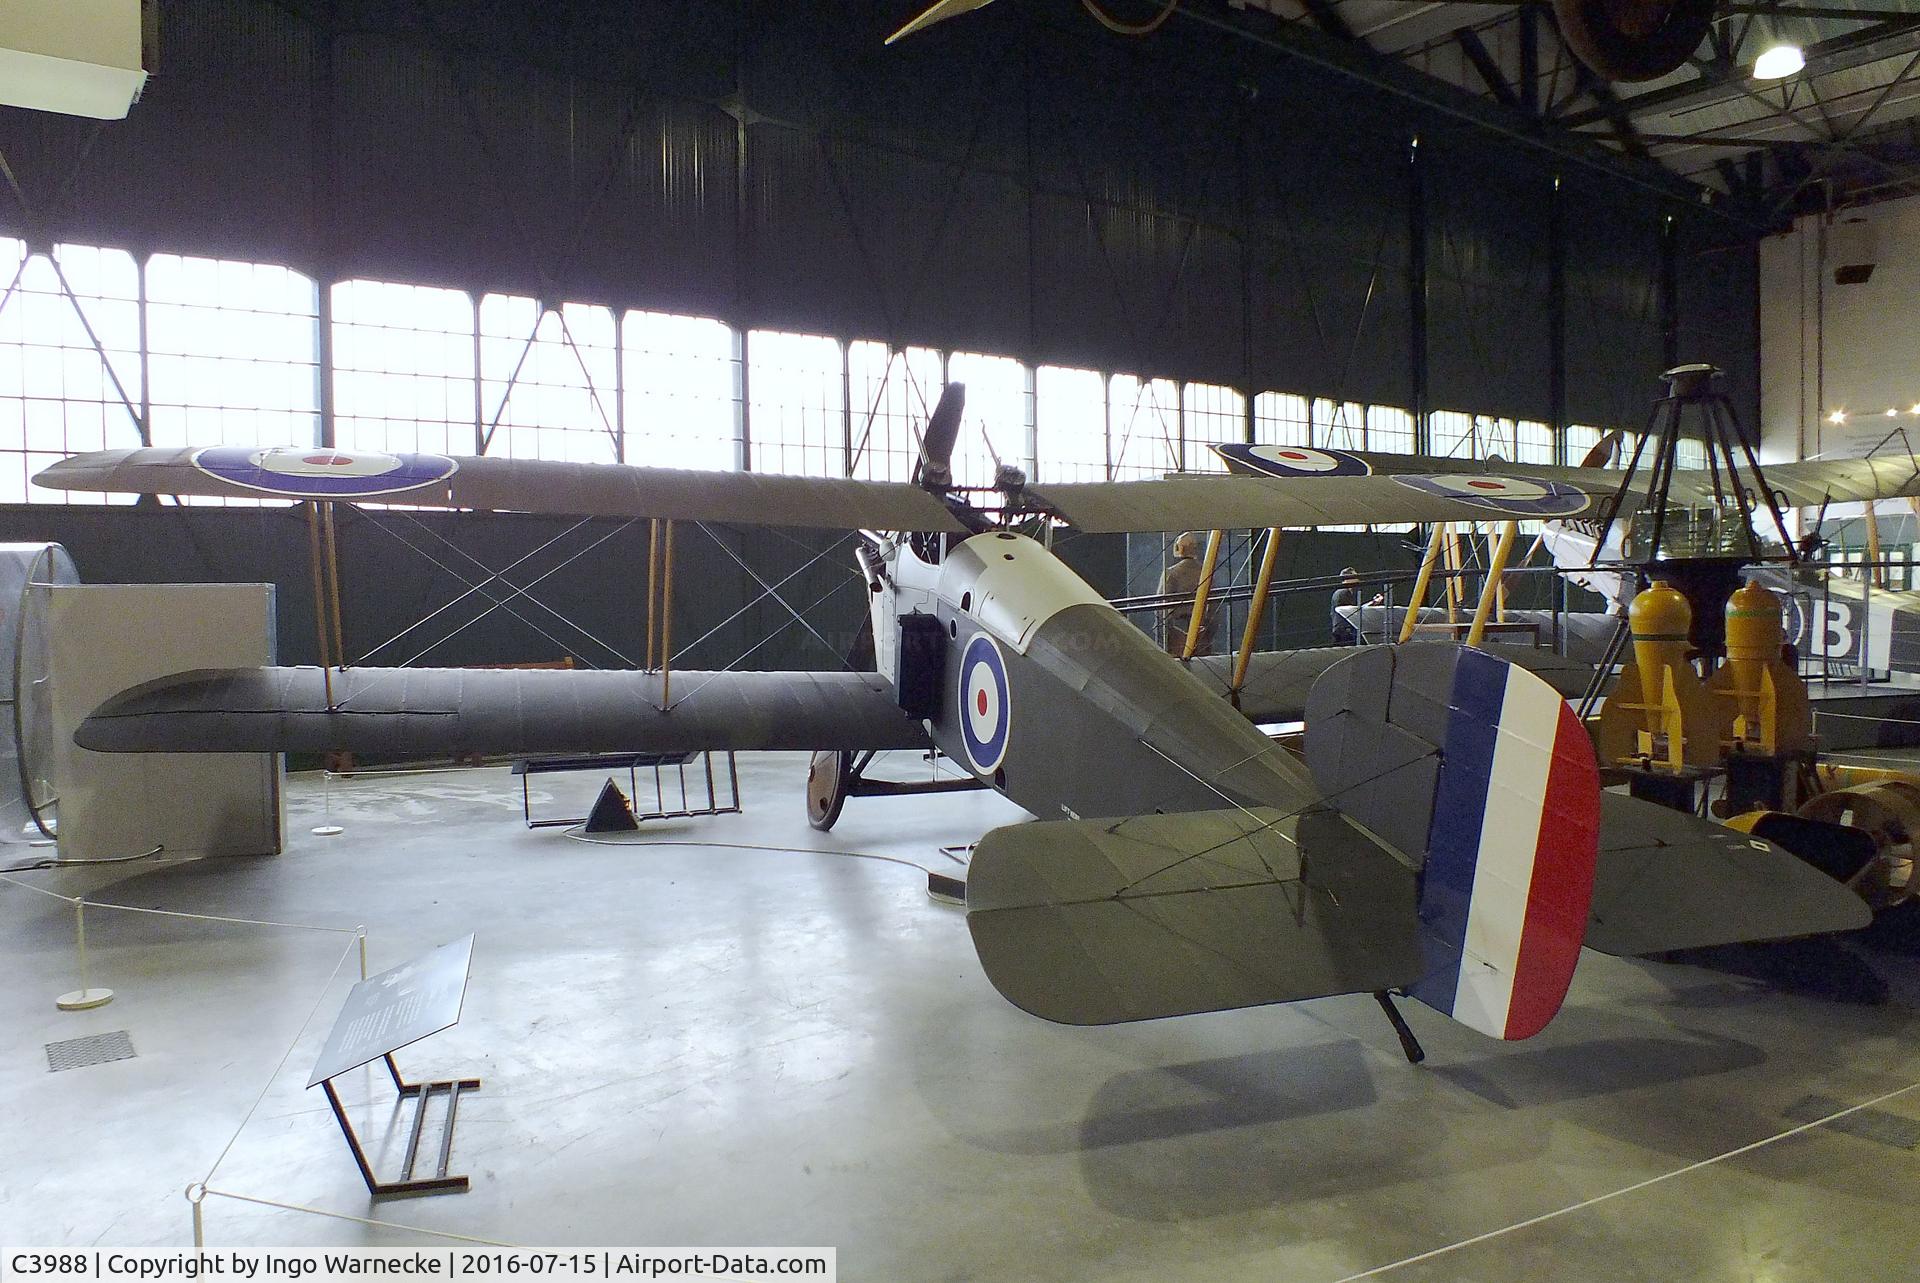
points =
(1099, 721)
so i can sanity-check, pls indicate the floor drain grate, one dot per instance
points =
(96, 1049)
(1877, 1125)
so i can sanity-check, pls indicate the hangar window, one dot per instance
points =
(1452, 434)
(893, 391)
(1481, 436)
(1580, 438)
(1209, 415)
(678, 385)
(233, 353)
(1070, 410)
(1340, 424)
(1281, 418)
(1143, 427)
(403, 376)
(996, 418)
(796, 404)
(1689, 452)
(1390, 430)
(59, 392)
(1533, 442)
(548, 381)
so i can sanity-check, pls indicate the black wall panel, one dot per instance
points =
(1718, 280)
(1017, 181)
(1328, 217)
(1488, 300)
(1614, 347)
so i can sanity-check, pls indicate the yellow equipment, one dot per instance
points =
(1766, 699)
(1674, 723)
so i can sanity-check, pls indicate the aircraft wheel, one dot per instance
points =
(828, 775)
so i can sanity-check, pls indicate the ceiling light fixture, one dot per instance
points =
(1778, 62)
(1838, 416)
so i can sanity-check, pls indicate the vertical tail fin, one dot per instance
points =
(1480, 771)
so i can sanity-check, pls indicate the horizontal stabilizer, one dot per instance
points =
(1671, 881)
(437, 712)
(1092, 922)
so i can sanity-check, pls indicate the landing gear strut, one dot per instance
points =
(834, 775)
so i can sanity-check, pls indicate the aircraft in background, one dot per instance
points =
(1443, 835)
(1828, 617)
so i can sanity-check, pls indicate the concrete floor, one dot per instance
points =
(686, 1045)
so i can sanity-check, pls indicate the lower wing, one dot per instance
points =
(441, 711)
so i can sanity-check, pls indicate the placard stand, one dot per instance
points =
(422, 1094)
(382, 1014)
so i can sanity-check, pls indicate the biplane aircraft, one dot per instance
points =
(1444, 835)
(1833, 618)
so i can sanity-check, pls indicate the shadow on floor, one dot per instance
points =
(1268, 1130)
(1821, 967)
(1172, 1101)
(1524, 1079)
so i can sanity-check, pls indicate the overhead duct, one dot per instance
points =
(77, 57)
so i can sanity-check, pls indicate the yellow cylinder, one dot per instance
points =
(1753, 625)
(1754, 638)
(1659, 620)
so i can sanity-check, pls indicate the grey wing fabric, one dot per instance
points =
(442, 711)
(1241, 502)
(1804, 484)
(1277, 681)
(1099, 921)
(576, 489)
(1666, 880)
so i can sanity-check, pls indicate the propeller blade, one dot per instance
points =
(943, 431)
(1604, 451)
(939, 12)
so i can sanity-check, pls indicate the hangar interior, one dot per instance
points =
(755, 237)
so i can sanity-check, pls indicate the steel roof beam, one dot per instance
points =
(1716, 79)
(1353, 61)
(1490, 74)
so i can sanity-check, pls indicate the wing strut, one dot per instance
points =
(1420, 582)
(1493, 588)
(1255, 614)
(666, 619)
(326, 592)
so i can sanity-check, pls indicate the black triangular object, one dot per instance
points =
(610, 813)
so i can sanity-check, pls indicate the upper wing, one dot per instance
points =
(1806, 484)
(1242, 502)
(508, 485)
(441, 711)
